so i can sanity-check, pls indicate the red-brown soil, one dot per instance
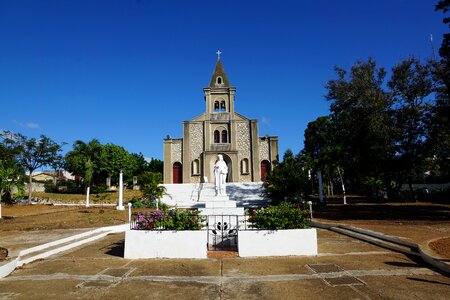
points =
(441, 247)
(416, 222)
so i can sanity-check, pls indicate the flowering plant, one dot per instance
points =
(149, 220)
(169, 220)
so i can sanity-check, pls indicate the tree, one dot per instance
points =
(35, 154)
(444, 50)
(115, 158)
(324, 150)
(439, 138)
(288, 181)
(411, 82)
(156, 165)
(151, 186)
(95, 162)
(361, 112)
(438, 141)
(10, 179)
(11, 173)
(83, 160)
(319, 145)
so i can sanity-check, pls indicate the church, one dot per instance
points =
(219, 130)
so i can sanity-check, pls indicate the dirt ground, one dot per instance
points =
(441, 247)
(385, 218)
(390, 218)
(45, 217)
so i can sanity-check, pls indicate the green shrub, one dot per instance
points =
(137, 203)
(99, 189)
(283, 216)
(50, 187)
(183, 220)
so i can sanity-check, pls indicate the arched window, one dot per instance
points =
(219, 80)
(195, 167)
(216, 136)
(224, 137)
(222, 106)
(216, 106)
(244, 166)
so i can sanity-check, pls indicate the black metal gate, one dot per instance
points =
(223, 232)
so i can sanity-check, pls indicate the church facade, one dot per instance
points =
(219, 130)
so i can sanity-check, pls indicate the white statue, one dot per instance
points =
(220, 174)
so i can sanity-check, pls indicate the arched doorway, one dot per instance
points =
(265, 167)
(177, 173)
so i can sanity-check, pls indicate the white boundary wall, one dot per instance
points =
(165, 244)
(277, 242)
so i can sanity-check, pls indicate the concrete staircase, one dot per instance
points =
(196, 195)
(183, 195)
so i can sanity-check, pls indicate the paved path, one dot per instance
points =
(344, 269)
(15, 240)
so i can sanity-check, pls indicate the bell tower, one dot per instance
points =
(219, 95)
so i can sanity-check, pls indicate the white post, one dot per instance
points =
(342, 184)
(319, 174)
(0, 209)
(310, 208)
(120, 206)
(129, 212)
(343, 191)
(87, 196)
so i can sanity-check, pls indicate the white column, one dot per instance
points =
(310, 209)
(87, 196)
(120, 206)
(0, 209)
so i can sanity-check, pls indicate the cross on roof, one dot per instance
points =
(218, 54)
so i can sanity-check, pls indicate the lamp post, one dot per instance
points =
(120, 206)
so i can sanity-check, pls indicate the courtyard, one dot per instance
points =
(345, 268)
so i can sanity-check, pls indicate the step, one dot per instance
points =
(231, 211)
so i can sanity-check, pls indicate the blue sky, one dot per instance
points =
(129, 72)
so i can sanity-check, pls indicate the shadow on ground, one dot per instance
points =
(385, 212)
(116, 249)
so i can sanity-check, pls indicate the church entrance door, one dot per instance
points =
(177, 173)
(265, 167)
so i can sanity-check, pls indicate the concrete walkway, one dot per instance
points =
(345, 268)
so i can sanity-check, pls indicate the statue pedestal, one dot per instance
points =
(223, 211)
(219, 201)
(218, 205)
